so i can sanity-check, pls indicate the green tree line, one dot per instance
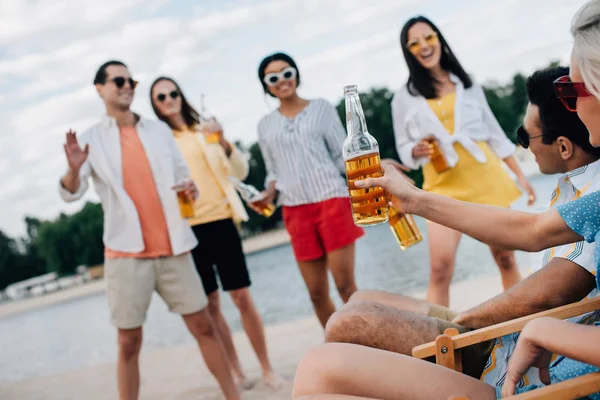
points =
(68, 241)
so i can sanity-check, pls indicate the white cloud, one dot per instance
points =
(50, 49)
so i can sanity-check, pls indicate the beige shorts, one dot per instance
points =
(130, 283)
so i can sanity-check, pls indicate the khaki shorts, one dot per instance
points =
(474, 357)
(130, 283)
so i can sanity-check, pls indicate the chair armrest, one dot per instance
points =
(508, 327)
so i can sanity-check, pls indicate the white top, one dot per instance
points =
(473, 122)
(571, 186)
(303, 155)
(122, 230)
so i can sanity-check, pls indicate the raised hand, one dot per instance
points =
(76, 156)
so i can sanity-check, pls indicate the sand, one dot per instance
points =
(179, 372)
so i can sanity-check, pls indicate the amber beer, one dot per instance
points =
(266, 209)
(437, 158)
(404, 228)
(369, 206)
(212, 137)
(251, 195)
(361, 157)
(186, 204)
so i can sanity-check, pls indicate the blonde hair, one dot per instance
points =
(585, 29)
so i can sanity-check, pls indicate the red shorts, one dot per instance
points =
(320, 228)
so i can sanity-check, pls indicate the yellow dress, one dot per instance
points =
(469, 180)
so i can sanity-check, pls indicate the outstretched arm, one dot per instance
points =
(495, 226)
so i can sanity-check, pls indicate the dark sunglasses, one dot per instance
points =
(120, 82)
(162, 97)
(568, 92)
(524, 138)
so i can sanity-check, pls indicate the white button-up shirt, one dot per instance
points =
(473, 122)
(122, 230)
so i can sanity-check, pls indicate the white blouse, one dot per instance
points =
(473, 122)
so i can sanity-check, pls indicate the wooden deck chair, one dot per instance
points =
(447, 351)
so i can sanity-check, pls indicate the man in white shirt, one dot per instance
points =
(135, 165)
(392, 322)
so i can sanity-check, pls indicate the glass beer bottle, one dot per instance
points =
(404, 228)
(438, 159)
(361, 157)
(251, 195)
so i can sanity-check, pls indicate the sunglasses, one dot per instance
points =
(524, 138)
(568, 92)
(162, 97)
(415, 46)
(120, 82)
(287, 74)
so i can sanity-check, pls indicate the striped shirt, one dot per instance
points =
(571, 186)
(303, 155)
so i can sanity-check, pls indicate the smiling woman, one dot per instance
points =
(442, 123)
(301, 142)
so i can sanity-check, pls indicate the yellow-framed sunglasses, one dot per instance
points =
(415, 46)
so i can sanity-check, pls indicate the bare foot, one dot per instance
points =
(274, 381)
(244, 383)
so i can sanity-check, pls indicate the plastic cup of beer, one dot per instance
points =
(212, 131)
(186, 203)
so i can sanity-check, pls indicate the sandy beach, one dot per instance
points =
(179, 372)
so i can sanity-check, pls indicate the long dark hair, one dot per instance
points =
(189, 113)
(420, 81)
(276, 57)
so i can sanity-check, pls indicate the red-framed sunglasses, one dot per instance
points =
(568, 92)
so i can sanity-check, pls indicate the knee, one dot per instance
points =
(346, 289)
(441, 270)
(318, 294)
(345, 324)
(504, 259)
(242, 299)
(364, 295)
(315, 371)
(130, 344)
(202, 325)
(214, 304)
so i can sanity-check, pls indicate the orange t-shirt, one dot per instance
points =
(139, 184)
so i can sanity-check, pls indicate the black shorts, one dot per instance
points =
(219, 245)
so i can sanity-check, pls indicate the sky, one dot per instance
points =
(51, 49)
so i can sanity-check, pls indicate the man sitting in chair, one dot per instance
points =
(397, 323)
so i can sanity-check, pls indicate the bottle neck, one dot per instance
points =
(355, 117)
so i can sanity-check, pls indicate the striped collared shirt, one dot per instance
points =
(303, 155)
(571, 186)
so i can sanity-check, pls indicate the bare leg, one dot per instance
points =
(375, 325)
(394, 300)
(201, 326)
(507, 263)
(222, 328)
(341, 264)
(361, 371)
(255, 330)
(315, 277)
(443, 243)
(128, 370)
(332, 397)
